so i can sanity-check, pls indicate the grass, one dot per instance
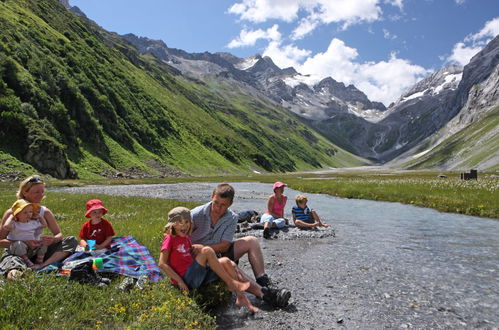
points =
(421, 188)
(51, 302)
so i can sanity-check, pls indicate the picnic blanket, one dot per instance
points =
(127, 257)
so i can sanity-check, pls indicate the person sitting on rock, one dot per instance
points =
(303, 217)
(274, 216)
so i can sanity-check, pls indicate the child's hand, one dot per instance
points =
(183, 286)
(33, 244)
(196, 249)
(47, 240)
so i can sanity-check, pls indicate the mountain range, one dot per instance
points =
(79, 101)
(348, 118)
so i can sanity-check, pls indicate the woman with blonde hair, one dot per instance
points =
(32, 189)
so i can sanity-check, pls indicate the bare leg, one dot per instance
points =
(254, 288)
(207, 255)
(316, 217)
(250, 245)
(57, 256)
(241, 299)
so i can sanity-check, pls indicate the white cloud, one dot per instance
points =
(388, 35)
(259, 11)
(286, 56)
(383, 81)
(489, 31)
(249, 38)
(462, 54)
(316, 12)
(463, 51)
(459, 2)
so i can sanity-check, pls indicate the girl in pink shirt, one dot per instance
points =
(191, 272)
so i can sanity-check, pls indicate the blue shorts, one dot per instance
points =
(197, 275)
(279, 222)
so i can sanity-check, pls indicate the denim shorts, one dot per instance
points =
(197, 275)
(279, 222)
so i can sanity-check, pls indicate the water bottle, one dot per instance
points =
(72, 264)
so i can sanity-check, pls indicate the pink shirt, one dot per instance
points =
(180, 257)
(278, 208)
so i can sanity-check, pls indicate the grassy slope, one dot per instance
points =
(109, 108)
(466, 149)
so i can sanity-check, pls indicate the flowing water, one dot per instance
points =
(389, 266)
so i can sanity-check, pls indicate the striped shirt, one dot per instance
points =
(206, 234)
(302, 214)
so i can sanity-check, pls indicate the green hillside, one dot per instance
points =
(77, 101)
(475, 145)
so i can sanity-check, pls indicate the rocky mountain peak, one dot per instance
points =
(265, 66)
(447, 78)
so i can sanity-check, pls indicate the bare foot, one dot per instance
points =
(14, 275)
(36, 266)
(242, 300)
(239, 286)
(325, 225)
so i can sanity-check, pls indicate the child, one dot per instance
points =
(303, 217)
(274, 216)
(96, 228)
(191, 272)
(22, 228)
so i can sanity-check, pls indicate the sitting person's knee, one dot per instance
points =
(207, 250)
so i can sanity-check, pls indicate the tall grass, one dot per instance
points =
(477, 198)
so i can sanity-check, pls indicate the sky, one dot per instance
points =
(382, 47)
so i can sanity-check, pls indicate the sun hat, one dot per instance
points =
(94, 204)
(19, 205)
(179, 212)
(279, 184)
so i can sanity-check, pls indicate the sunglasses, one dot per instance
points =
(35, 179)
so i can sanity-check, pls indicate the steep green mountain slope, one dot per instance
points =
(475, 146)
(76, 100)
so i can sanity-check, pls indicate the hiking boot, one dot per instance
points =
(142, 282)
(276, 297)
(127, 283)
(266, 233)
(264, 281)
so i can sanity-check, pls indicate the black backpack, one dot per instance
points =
(84, 273)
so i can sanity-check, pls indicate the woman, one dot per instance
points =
(32, 189)
(274, 216)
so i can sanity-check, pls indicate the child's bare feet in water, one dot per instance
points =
(242, 300)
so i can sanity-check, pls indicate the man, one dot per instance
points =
(215, 225)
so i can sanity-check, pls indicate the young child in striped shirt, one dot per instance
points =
(303, 217)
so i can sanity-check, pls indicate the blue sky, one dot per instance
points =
(382, 47)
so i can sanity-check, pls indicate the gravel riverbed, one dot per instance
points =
(380, 265)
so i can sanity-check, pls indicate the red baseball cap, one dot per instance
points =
(94, 204)
(279, 184)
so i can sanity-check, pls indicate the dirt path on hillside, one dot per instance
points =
(389, 265)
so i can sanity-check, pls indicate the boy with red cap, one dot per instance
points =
(96, 228)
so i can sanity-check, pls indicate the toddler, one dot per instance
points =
(97, 228)
(24, 233)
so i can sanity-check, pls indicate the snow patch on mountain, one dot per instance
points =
(247, 63)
